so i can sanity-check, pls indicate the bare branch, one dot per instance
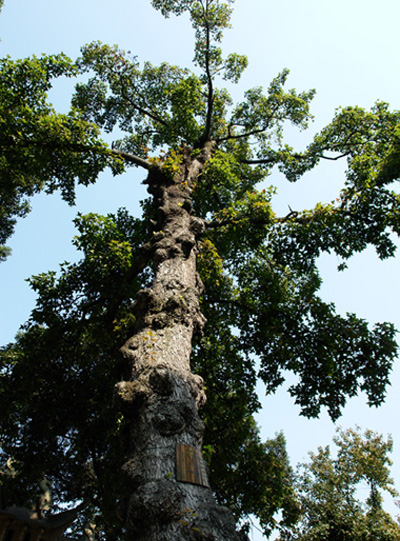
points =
(291, 216)
(334, 159)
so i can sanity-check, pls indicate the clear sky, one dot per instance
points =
(347, 50)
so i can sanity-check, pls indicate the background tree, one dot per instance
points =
(258, 268)
(329, 490)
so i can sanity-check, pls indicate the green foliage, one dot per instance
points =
(81, 317)
(39, 148)
(328, 497)
(264, 283)
(368, 208)
(260, 270)
(207, 15)
(263, 115)
(155, 106)
(250, 476)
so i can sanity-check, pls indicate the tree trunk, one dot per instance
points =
(169, 494)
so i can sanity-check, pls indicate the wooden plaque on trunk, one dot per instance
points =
(190, 466)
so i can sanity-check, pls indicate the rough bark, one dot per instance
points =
(162, 399)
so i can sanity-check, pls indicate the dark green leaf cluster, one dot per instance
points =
(288, 327)
(250, 476)
(82, 316)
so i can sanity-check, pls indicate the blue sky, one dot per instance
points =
(347, 50)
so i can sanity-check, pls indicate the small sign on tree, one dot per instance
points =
(190, 467)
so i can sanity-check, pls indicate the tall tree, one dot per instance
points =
(327, 488)
(102, 387)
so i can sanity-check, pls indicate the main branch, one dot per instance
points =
(131, 158)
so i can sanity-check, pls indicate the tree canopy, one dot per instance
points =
(329, 491)
(264, 314)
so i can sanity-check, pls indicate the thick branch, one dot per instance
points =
(131, 158)
(263, 161)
